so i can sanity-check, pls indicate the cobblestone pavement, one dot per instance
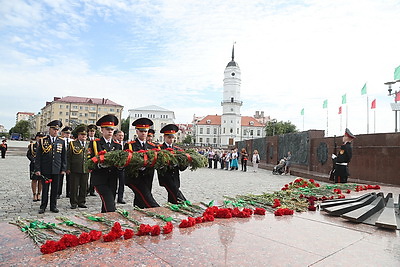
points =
(200, 185)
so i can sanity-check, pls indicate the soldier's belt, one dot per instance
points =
(343, 163)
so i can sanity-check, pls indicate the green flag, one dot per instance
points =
(397, 73)
(344, 101)
(325, 105)
(302, 112)
(364, 89)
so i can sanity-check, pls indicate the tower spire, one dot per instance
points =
(233, 51)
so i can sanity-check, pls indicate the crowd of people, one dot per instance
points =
(55, 156)
(229, 159)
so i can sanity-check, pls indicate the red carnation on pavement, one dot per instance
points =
(49, 247)
(155, 230)
(167, 228)
(128, 234)
(95, 235)
(70, 240)
(109, 237)
(84, 238)
(312, 208)
(259, 211)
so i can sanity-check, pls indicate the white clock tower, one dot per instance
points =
(231, 103)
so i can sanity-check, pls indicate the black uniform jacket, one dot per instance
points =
(51, 158)
(345, 153)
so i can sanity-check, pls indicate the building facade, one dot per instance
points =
(73, 110)
(224, 130)
(24, 116)
(160, 117)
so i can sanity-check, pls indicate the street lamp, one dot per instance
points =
(274, 121)
(395, 106)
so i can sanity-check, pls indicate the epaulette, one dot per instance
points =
(97, 139)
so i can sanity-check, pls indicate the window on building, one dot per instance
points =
(207, 140)
(166, 116)
(85, 121)
(80, 115)
(66, 120)
(60, 112)
(99, 109)
(258, 133)
(104, 109)
(86, 108)
(231, 130)
(92, 108)
(80, 107)
(208, 130)
(75, 107)
(215, 131)
(67, 113)
(214, 140)
(117, 109)
(61, 106)
(93, 115)
(237, 130)
(201, 130)
(112, 110)
(224, 130)
(201, 140)
(80, 121)
(86, 114)
(66, 106)
(251, 132)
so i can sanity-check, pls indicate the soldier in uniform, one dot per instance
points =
(3, 148)
(77, 156)
(50, 162)
(36, 183)
(119, 138)
(66, 135)
(105, 178)
(343, 158)
(169, 178)
(91, 132)
(142, 184)
(150, 135)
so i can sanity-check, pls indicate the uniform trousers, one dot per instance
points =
(121, 184)
(341, 174)
(105, 183)
(67, 185)
(53, 191)
(78, 188)
(171, 181)
(141, 186)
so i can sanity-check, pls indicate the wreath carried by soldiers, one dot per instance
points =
(161, 160)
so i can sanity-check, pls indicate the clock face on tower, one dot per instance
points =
(232, 74)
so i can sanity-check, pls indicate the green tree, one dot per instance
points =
(21, 127)
(125, 127)
(188, 139)
(276, 128)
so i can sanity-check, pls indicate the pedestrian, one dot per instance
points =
(227, 160)
(216, 159)
(288, 163)
(77, 156)
(234, 160)
(50, 163)
(210, 156)
(104, 178)
(255, 160)
(119, 138)
(3, 148)
(66, 135)
(243, 159)
(91, 136)
(169, 176)
(141, 184)
(343, 158)
(222, 159)
(36, 183)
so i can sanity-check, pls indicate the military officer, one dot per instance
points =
(50, 162)
(36, 183)
(66, 135)
(3, 148)
(92, 128)
(141, 184)
(77, 156)
(119, 138)
(150, 135)
(343, 158)
(169, 178)
(105, 178)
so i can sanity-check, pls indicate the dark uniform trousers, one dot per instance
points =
(170, 179)
(121, 184)
(105, 179)
(50, 160)
(142, 184)
(79, 184)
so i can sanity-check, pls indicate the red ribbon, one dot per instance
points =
(145, 158)
(128, 160)
(154, 160)
(189, 157)
(101, 158)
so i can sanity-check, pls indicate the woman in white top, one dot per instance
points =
(255, 160)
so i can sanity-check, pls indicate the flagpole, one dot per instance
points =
(374, 119)
(341, 121)
(303, 122)
(347, 114)
(367, 116)
(327, 121)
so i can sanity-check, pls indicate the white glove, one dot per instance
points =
(334, 156)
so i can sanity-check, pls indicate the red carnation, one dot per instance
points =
(155, 230)
(144, 229)
(192, 221)
(102, 152)
(377, 187)
(167, 228)
(70, 240)
(129, 233)
(312, 181)
(277, 203)
(95, 235)
(199, 219)
(208, 217)
(184, 224)
(348, 191)
(117, 230)
(223, 213)
(49, 247)
(84, 238)
(109, 237)
(259, 211)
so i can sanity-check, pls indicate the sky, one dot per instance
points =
(292, 55)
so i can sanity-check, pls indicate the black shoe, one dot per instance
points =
(67, 196)
(55, 210)
(73, 207)
(41, 211)
(58, 196)
(121, 201)
(92, 194)
(82, 206)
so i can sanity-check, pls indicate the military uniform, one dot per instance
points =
(90, 190)
(141, 185)
(79, 174)
(343, 159)
(104, 179)
(50, 161)
(170, 178)
(68, 130)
